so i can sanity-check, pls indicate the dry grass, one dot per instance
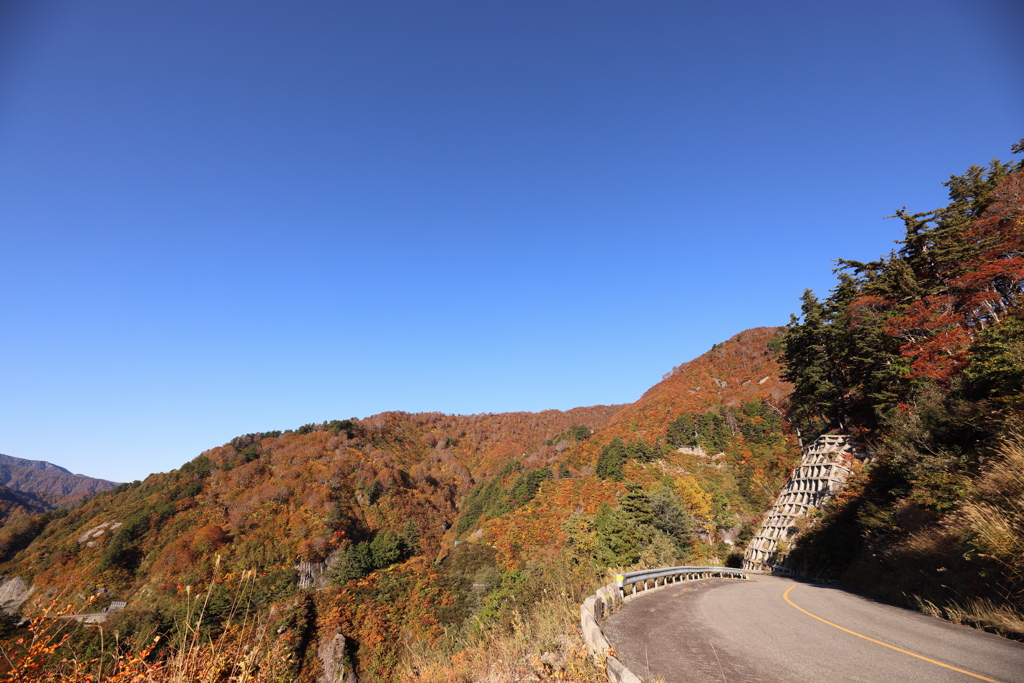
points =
(34, 656)
(979, 612)
(1003, 618)
(543, 644)
(242, 653)
(967, 567)
(982, 544)
(994, 521)
(239, 654)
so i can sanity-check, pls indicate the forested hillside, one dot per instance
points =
(415, 545)
(437, 547)
(14, 504)
(921, 355)
(31, 486)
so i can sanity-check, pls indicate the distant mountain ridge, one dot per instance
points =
(31, 464)
(51, 484)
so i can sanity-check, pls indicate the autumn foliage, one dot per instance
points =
(921, 355)
(424, 541)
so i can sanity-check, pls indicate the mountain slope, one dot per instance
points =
(16, 503)
(737, 371)
(49, 480)
(921, 354)
(411, 533)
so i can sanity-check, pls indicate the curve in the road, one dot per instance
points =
(878, 642)
(744, 631)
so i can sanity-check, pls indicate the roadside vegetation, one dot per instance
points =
(921, 355)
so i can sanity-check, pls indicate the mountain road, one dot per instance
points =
(771, 629)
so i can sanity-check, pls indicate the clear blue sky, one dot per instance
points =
(225, 217)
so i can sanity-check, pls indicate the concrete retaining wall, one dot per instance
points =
(593, 609)
(822, 472)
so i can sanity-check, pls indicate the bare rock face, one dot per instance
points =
(314, 574)
(337, 668)
(13, 593)
(98, 531)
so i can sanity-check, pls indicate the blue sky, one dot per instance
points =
(225, 217)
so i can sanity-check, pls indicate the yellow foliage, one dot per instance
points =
(695, 499)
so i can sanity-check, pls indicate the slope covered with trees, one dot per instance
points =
(49, 484)
(29, 487)
(15, 504)
(438, 547)
(921, 354)
(428, 544)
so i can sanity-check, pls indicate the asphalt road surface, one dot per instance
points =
(773, 629)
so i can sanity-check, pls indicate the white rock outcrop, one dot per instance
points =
(13, 593)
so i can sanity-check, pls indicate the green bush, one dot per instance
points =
(336, 427)
(201, 467)
(611, 459)
(620, 539)
(641, 451)
(579, 432)
(355, 562)
(669, 516)
(526, 485)
(489, 500)
(124, 551)
(386, 548)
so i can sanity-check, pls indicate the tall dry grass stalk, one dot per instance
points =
(992, 522)
(34, 656)
(967, 567)
(540, 642)
(241, 653)
(981, 612)
(1004, 618)
(996, 519)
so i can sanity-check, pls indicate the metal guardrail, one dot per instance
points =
(597, 606)
(673, 574)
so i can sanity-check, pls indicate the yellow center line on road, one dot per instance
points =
(878, 642)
